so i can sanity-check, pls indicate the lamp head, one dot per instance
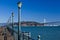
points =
(19, 4)
(12, 14)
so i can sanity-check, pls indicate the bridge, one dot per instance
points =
(56, 23)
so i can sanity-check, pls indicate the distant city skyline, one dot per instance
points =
(32, 10)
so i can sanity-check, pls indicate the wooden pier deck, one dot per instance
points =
(5, 34)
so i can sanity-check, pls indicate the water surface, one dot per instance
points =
(46, 33)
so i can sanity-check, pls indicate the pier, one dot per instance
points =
(5, 34)
(28, 30)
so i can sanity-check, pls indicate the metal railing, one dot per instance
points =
(22, 36)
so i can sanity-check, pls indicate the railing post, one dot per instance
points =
(38, 37)
(5, 34)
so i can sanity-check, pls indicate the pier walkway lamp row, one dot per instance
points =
(19, 12)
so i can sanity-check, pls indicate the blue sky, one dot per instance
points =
(32, 10)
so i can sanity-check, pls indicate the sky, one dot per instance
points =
(32, 10)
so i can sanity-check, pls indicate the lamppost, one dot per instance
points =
(19, 11)
(12, 22)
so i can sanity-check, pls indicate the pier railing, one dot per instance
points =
(21, 35)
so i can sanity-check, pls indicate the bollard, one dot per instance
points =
(38, 37)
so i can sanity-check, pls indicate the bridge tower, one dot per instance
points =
(44, 21)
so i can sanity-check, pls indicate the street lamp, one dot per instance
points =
(19, 12)
(19, 4)
(12, 22)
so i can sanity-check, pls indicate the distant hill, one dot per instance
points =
(30, 23)
(25, 23)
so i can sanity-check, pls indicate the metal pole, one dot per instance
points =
(19, 12)
(18, 21)
(5, 34)
(12, 22)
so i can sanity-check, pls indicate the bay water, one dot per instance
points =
(45, 32)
